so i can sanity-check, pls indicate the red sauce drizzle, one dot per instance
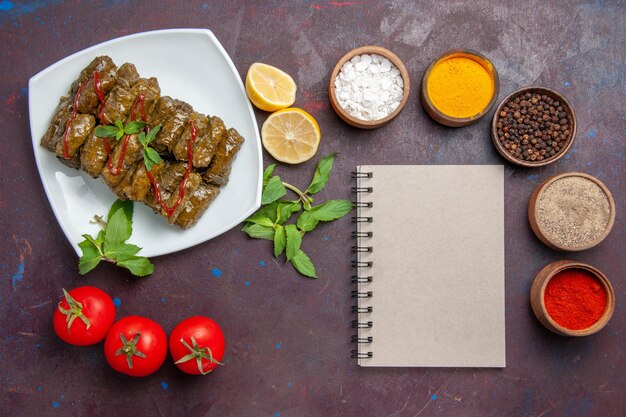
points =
(139, 102)
(181, 188)
(96, 86)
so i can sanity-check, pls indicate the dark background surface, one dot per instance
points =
(288, 337)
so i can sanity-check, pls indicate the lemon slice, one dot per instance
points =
(269, 88)
(291, 135)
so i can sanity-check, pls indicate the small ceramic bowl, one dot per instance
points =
(450, 121)
(332, 93)
(533, 212)
(538, 288)
(569, 111)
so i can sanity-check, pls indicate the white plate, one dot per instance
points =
(191, 65)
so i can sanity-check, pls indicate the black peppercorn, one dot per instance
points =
(533, 127)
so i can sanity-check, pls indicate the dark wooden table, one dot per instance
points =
(288, 337)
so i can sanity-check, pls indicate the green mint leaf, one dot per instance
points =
(332, 210)
(280, 240)
(260, 220)
(268, 173)
(153, 155)
(137, 265)
(307, 221)
(106, 131)
(128, 207)
(322, 173)
(94, 242)
(99, 238)
(119, 135)
(142, 139)
(303, 264)
(120, 125)
(287, 208)
(133, 127)
(329, 210)
(118, 230)
(122, 251)
(146, 160)
(91, 255)
(273, 191)
(268, 211)
(259, 232)
(152, 133)
(294, 239)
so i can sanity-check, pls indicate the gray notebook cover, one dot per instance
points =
(437, 266)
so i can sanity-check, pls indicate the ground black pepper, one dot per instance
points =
(533, 127)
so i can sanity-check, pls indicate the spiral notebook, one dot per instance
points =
(429, 266)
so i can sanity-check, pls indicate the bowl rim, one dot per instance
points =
(548, 91)
(443, 118)
(533, 211)
(549, 271)
(368, 49)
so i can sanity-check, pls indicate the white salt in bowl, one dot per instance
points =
(332, 89)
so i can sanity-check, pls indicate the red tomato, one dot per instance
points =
(84, 316)
(197, 345)
(136, 346)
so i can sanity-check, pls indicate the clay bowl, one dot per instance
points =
(533, 212)
(539, 308)
(444, 119)
(344, 115)
(569, 111)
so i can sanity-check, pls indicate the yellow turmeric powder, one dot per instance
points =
(460, 87)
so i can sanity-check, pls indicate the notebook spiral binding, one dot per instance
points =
(358, 294)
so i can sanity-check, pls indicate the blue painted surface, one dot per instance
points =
(164, 385)
(6, 5)
(162, 299)
(24, 8)
(433, 397)
(216, 272)
(117, 302)
(262, 263)
(279, 345)
(55, 404)
(566, 84)
(325, 238)
(247, 283)
(18, 276)
(592, 134)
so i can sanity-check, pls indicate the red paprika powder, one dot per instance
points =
(575, 299)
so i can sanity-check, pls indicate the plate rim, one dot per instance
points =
(194, 31)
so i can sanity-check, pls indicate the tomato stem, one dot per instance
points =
(75, 310)
(198, 354)
(129, 348)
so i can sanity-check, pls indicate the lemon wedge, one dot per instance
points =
(291, 135)
(269, 88)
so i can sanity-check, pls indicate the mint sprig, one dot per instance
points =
(150, 156)
(110, 243)
(118, 130)
(270, 221)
